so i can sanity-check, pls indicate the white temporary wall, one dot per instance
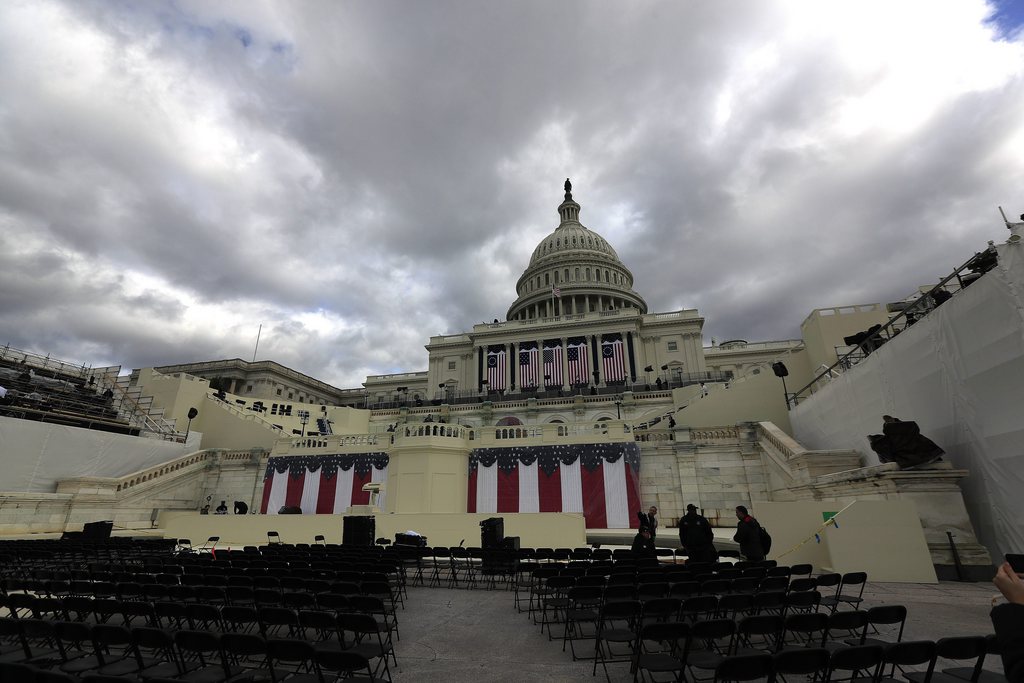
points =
(35, 455)
(959, 373)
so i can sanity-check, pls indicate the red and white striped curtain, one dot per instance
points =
(321, 484)
(602, 481)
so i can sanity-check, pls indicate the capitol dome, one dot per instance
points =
(573, 271)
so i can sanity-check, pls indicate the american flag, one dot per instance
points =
(613, 361)
(553, 366)
(496, 370)
(576, 357)
(529, 373)
(556, 291)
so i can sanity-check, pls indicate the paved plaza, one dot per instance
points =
(477, 635)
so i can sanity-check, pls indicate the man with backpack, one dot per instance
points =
(750, 536)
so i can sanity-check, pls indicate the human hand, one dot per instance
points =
(1009, 584)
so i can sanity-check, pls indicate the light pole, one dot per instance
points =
(304, 420)
(192, 414)
(618, 412)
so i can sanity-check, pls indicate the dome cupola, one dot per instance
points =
(573, 271)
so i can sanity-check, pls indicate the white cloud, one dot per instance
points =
(360, 177)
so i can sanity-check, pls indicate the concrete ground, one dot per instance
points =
(477, 636)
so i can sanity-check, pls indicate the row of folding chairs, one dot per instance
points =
(667, 649)
(626, 631)
(338, 647)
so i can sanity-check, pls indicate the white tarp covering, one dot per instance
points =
(959, 373)
(34, 456)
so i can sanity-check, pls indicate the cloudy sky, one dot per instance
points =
(357, 176)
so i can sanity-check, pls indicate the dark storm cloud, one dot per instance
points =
(358, 177)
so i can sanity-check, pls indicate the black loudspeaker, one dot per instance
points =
(779, 368)
(492, 530)
(358, 530)
(97, 531)
(510, 543)
(290, 510)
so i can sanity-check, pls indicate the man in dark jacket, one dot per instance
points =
(696, 536)
(1008, 620)
(643, 544)
(748, 535)
(649, 521)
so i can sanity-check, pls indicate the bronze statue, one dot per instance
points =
(568, 189)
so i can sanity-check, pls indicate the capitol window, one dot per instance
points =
(672, 346)
(451, 365)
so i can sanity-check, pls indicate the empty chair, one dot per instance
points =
(807, 662)
(662, 648)
(802, 630)
(710, 642)
(581, 616)
(844, 628)
(245, 650)
(908, 653)
(75, 645)
(757, 634)
(345, 665)
(202, 650)
(115, 644)
(850, 591)
(958, 649)
(155, 654)
(858, 662)
(370, 641)
(744, 667)
(891, 618)
(294, 659)
(615, 638)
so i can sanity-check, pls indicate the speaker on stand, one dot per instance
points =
(358, 530)
(492, 531)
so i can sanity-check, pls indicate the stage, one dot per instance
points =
(539, 529)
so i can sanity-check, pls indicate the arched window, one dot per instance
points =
(606, 277)
(546, 281)
(566, 274)
(587, 277)
(577, 275)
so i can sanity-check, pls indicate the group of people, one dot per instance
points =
(696, 537)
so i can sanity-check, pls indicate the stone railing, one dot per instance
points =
(173, 467)
(715, 435)
(433, 429)
(797, 463)
(335, 443)
(654, 435)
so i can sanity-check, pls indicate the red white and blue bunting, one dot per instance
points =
(602, 481)
(321, 484)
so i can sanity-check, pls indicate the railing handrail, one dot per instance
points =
(919, 304)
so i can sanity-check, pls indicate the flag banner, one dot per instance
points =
(576, 357)
(496, 366)
(553, 365)
(321, 484)
(529, 366)
(613, 360)
(602, 481)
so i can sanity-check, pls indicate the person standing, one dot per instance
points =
(748, 535)
(643, 543)
(696, 536)
(649, 521)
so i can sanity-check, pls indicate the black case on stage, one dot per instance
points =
(408, 539)
(510, 543)
(492, 530)
(358, 530)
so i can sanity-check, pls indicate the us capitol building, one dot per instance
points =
(581, 401)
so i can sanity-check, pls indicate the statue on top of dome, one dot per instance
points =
(568, 190)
